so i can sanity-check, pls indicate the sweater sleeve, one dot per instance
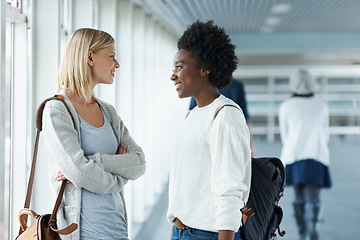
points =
(131, 165)
(231, 173)
(326, 122)
(63, 145)
(282, 123)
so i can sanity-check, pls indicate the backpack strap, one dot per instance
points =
(226, 105)
(246, 212)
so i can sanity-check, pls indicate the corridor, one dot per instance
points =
(341, 213)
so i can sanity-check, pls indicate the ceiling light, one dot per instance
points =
(280, 8)
(272, 21)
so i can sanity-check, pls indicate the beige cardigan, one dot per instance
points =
(98, 173)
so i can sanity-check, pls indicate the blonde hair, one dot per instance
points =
(74, 73)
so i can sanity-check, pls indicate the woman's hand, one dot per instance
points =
(123, 148)
(226, 235)
(60, 177)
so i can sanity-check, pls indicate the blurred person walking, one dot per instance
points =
(304, 130)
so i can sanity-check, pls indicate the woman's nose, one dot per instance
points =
(173, 76)
(117, 65)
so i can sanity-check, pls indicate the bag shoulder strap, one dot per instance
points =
(40, 110)
(39, 115)
(226, 105)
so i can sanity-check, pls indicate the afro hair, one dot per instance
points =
(213, 50)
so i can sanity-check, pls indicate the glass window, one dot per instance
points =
(15, 3)
(65, 17)
(14, 99)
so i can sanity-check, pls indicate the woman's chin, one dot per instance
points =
(181, 95)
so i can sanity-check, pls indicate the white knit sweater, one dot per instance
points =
(210, 172)
(304, 128)
(98, 173)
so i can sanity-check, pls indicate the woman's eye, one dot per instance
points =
(178, 68)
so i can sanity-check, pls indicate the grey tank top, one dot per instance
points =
(102, 216)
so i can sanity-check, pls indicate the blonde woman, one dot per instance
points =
(97, 156)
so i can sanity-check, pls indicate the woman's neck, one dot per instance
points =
(78, 100)
(205, 98)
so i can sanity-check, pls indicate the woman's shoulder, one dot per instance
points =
(55, 105)
(228, 110)
(319, 100)
(292, 102)
(228, 105)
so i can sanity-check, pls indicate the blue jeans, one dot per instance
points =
(195, 234)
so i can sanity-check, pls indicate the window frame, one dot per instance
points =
(15, 96)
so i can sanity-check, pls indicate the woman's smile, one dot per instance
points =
(178, 85)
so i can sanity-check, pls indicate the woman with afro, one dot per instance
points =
(210, 171)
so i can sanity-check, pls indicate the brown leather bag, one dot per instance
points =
(44, 226)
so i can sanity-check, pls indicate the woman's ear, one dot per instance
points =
(90, 58)
(205, 72)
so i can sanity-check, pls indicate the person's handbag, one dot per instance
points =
(44, 226)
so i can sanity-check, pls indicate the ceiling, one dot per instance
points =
(276, 32)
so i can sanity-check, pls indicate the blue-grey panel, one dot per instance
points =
(296, 42)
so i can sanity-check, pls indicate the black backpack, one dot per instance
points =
(267, 187)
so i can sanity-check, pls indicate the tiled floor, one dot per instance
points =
(342, 208)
